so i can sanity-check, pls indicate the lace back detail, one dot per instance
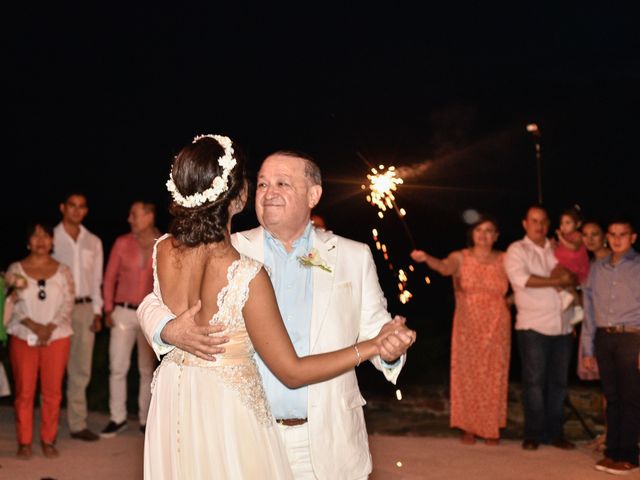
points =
(232, 297)
(154, 263)
(236, 368)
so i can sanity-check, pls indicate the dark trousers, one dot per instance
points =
(545, 370)
(617, 356)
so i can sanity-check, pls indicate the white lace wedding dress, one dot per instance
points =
(211, 420)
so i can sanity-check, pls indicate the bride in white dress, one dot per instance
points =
(210, 419)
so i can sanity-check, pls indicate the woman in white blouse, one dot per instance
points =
(40, 327)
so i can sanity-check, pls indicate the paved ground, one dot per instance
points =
(395, 457)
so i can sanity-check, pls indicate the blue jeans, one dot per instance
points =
(545, 370)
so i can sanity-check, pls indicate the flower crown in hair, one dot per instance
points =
(219, 185)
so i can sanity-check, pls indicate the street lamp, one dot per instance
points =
(533, 129)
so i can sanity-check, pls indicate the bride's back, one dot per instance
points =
(187, 275)
(208, 187)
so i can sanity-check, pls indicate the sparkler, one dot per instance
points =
(382, 185)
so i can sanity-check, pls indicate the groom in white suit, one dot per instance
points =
(330, 303)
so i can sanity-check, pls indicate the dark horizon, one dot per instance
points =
(100, 98)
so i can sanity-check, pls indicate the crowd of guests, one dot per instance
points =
(585, 274)
(555, 286)
(56, 298)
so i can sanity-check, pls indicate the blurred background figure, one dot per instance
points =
(596, 244)
(481, 338)
(572, 255)
(611, 338)
(318, 221)
(80, 250)
(543, 330)
(571, 251)
(127, 280)
(40, 327)
(594, 239)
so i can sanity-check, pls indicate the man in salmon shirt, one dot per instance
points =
(127, 280)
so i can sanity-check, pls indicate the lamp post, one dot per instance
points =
(533, 129)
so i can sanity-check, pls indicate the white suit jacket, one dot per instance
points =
(348, 306)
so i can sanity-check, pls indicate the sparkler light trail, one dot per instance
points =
(382, 183)
(404, 295)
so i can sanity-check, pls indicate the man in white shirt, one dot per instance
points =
(81, 251)
(543, 331)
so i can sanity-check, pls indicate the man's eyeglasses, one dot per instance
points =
(41, 292)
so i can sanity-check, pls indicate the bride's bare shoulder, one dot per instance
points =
(168, 255)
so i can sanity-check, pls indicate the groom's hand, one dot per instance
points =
(184, 333)
(399, 339)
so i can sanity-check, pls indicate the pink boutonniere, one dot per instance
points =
(313, 259)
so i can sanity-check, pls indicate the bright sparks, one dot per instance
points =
(402, 276)
(382, 185)
(383, 182)
(405, 296)
(398, 394)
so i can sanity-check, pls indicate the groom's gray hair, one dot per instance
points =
(311, 169)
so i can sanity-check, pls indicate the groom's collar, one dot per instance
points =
(323, 235)
(256, 235)
(301, 240)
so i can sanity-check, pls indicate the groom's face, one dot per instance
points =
(284, 195)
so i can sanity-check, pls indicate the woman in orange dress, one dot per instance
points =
(481, 338)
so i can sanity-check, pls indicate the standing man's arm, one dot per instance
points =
(519, 272)
(96, 287)
(374, 316)
(109, 282)
(515, 265)
(560, 277)
(588, 333)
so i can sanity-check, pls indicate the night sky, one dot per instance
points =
(100, 99)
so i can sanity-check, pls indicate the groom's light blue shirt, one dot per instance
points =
(293, 286)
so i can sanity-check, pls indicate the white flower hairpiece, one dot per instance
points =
(219, 185)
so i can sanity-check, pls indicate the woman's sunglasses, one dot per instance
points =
(41, 292)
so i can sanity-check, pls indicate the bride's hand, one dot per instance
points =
(394, 339)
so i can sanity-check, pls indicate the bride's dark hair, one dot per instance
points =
(194, 169)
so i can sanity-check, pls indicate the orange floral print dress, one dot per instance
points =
(480, 347)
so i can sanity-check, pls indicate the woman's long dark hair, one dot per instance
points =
(193, 171)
